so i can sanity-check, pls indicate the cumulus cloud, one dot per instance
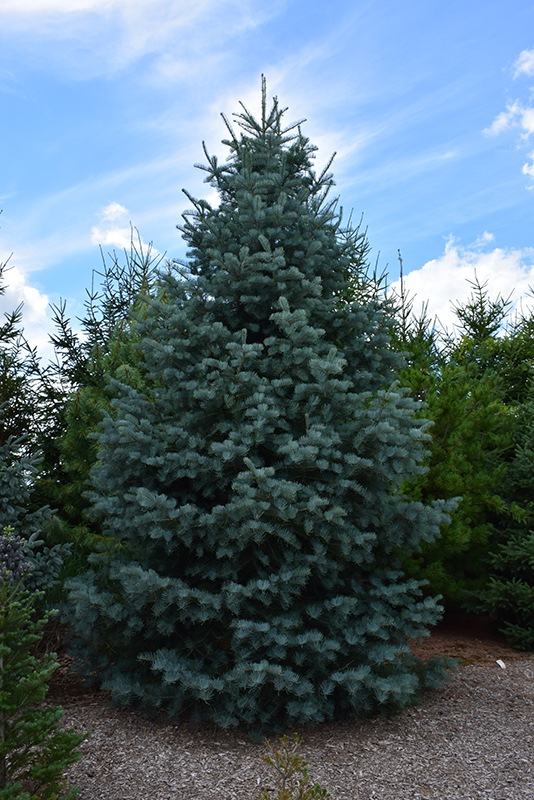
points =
(444, 281)
(528, 169)
(516, 115)
(484, 239)
(35, 310)
(113, 229)
(506, 119)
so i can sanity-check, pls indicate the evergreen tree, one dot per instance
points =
(34, 752)
(464, 398)
(253, 478)
(22, 424)
(509, 594)
(77, 386)
(21, 401)
(17, 472)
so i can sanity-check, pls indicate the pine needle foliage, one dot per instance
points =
(21, 402)
(253, 480)
(78, 385)
(34, 751)
(23, 423)
(508, 596)
(463, 396)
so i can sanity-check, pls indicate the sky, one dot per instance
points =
(428, 105)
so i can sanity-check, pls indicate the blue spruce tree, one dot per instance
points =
(252, 477)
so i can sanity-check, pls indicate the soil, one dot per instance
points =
(472, 640)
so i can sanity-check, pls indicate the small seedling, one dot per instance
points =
(291, 770)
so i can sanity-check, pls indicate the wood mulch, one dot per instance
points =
(472, 739)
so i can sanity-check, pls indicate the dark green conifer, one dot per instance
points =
(464, 398)
(22, 424)
(508, 595)
(77, 386)
(34, 752)
(253, 477)
(20, 399)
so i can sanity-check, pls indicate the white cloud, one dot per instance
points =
(515, 114)
(114, 228)
(518, 114)
(506, 119)
(114, 211)
(525, 63)
(528, 169)
(484, 238)
(35, 312)
(99, 37)
(444, 281)
(527, 121)
(30, 7)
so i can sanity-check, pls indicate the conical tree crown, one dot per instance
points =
(268, 191)
(253, 477)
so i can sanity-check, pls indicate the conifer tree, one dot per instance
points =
(21, 401)
(22, 424)
(253, 478)
(464, 398)
(34, 752)
(77, 386)
(508, 596)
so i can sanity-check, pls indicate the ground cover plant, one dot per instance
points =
(252, 476)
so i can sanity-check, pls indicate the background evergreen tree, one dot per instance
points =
(77, 386)
(509, 593)
(22, 402)
(253, 477)
(464, 398)
(34, 753)
(23, 411)
(17, 472)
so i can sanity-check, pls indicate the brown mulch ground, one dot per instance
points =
(471, 740)
(473, 640)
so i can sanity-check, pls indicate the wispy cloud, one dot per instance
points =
(445, 281)
(518, 114)
(102, 37)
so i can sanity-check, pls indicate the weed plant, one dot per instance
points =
(291, 773)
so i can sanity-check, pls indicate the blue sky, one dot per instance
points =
(105, 103)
